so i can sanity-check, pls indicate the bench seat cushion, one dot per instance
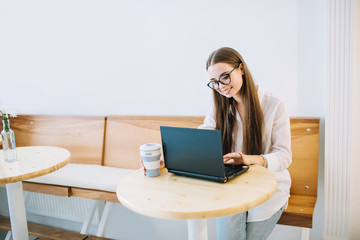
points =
(87, 176)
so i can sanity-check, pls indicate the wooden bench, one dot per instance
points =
(114, 141)
(304, 174)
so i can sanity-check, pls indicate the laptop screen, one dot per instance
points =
(193, 150)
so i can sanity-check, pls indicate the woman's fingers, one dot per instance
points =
(162, 164)
(233, 158)
(229, 161)
(236, 161)
(232, 155)
(142, 166)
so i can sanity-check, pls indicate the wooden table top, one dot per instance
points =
(32, 162)
(176, 197)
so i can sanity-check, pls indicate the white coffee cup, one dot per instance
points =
(150, 154)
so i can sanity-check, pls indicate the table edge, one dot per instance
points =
(198, 215)
(40, 172)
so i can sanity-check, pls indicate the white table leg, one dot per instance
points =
(104, 218)
(305, 233)
(8, 236)
(17, 212)
(197, 229)
(89, 217)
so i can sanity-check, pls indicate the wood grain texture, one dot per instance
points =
(299, 212)
(176, 197)
(45, 232)
(131, 132)
(305, 153)
(33, 162)
(125, 134)
(296, 220)
(303, 171)
(47, 189)
(94, 194)
(83, 136)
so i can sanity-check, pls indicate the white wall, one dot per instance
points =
(138, 57)
(102, 57)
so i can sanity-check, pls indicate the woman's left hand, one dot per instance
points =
(240, 158)
(234, 158)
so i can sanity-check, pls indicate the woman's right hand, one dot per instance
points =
(240, 158)
(162, 165)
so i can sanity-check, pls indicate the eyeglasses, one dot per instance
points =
(224, 79)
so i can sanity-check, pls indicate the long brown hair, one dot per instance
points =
(225, 108)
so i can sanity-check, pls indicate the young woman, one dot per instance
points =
(255, 129)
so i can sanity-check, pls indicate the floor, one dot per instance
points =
(3, 235)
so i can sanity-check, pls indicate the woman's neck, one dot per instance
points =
(240, 106)
(239, 98)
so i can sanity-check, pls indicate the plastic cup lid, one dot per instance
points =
(150, 147)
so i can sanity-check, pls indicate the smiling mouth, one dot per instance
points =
(227, 90)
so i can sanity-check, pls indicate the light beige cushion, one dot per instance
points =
(85, 176)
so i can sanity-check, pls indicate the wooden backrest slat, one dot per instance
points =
(305, 155)
(83, 136)
(125, 134)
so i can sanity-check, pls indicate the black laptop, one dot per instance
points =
(197, 153)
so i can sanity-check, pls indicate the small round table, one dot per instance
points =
(176, 197)
(31, 162)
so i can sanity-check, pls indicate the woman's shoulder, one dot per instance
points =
(270, 103)
(269, 98)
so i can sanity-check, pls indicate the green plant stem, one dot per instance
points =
(6, 124)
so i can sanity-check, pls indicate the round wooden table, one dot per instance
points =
(31, 162)
(176, 197)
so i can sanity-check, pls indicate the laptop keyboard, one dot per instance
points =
(231, 169)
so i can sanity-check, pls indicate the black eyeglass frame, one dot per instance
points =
(218, 81)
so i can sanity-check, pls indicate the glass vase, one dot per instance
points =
(8, 142)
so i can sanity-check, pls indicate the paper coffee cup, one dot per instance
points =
(150, 154)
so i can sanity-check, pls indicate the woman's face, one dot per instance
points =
(221, 70)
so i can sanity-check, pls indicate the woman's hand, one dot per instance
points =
(162, 165)
(240, 158)
(234, 158)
